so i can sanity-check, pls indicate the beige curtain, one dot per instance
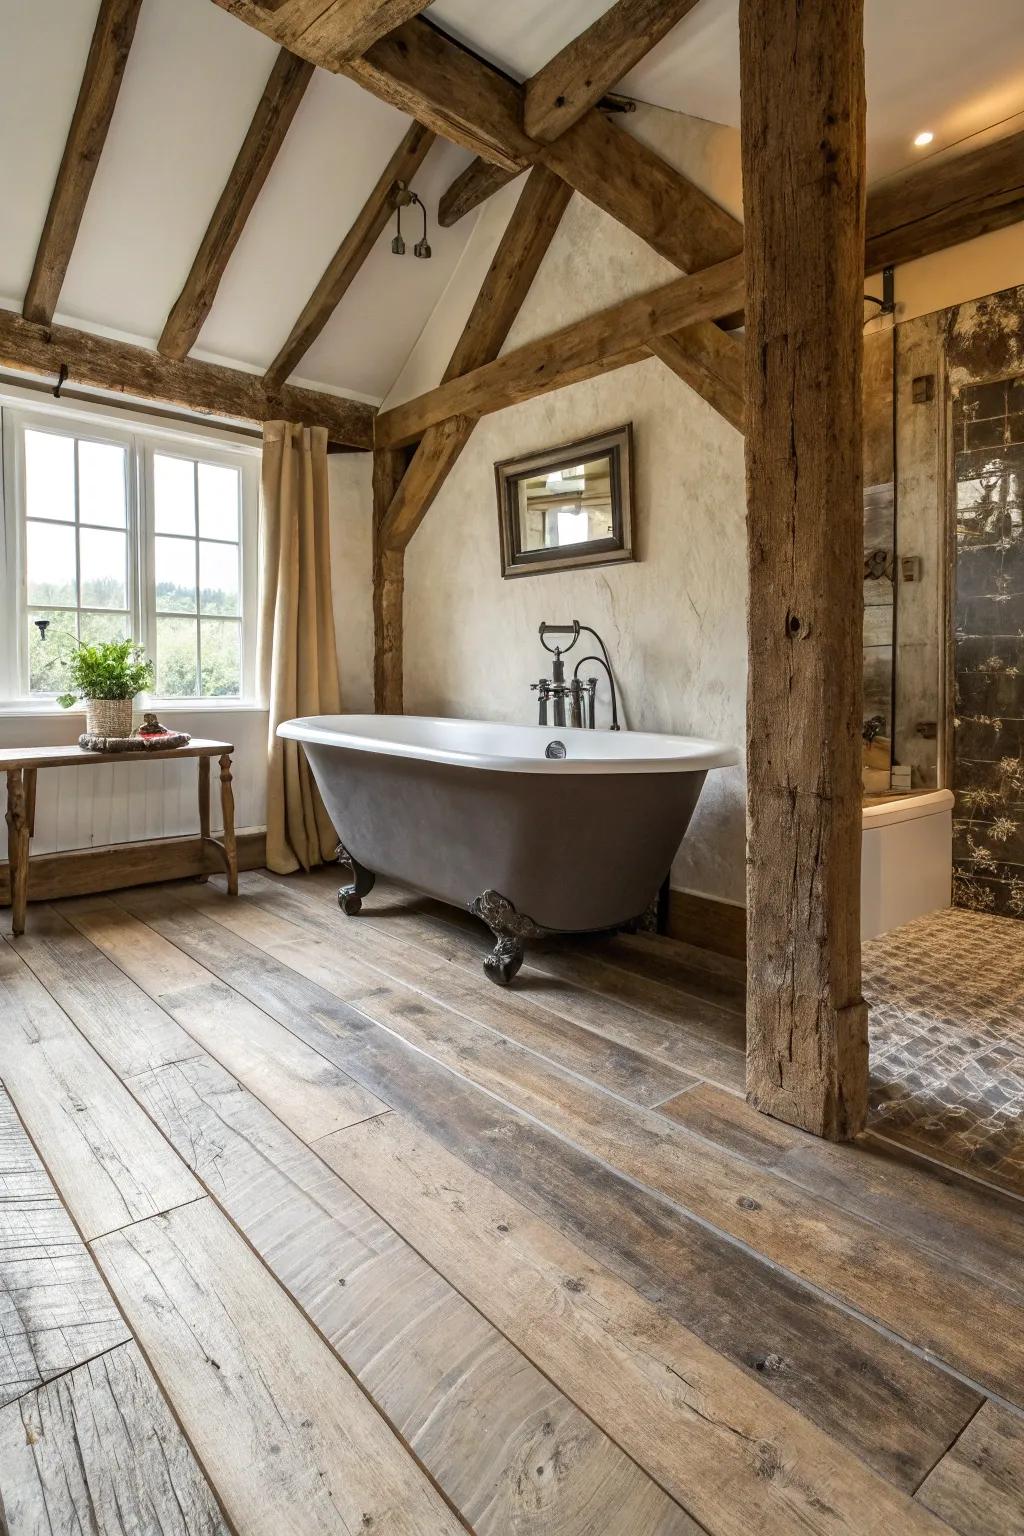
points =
(298, 659)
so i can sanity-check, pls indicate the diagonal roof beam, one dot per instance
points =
(601, 341)
(97, 96)
(352, 252)
(576, 78)
(343, 29)
(282, 93)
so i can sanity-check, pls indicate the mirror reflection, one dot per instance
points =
(567, 506)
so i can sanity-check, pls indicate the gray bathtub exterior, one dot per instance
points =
(571, 853)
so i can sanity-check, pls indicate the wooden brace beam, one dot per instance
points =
(97, 97)
(284, 90)
(208, 388)
(611, 338)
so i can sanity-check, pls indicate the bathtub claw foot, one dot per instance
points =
(502, 964)
(510, 928)
(350, 897)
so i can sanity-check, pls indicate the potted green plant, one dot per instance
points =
(106, 677)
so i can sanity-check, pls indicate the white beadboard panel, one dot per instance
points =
(129, 802)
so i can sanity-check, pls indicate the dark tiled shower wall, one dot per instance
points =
(988, 846)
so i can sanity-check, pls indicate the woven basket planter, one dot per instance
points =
(108, 717)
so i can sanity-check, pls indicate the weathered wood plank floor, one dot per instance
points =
(306, 1227)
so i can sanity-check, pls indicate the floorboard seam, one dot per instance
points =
(152, 1215)
(956, 1438)
(69, 1370)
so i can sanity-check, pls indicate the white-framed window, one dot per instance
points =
(117, 531)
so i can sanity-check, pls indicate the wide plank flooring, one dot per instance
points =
(381, 1247)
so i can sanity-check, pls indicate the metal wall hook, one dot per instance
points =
(61, 377)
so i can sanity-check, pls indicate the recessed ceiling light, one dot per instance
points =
(921, 139)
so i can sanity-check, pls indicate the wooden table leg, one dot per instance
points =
(227, 805)
(17, 847)
(204, 809)
(30, 800)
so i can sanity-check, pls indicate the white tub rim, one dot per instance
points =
(653, 752)
(887, 813)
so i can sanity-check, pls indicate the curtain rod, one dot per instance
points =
(163, 413)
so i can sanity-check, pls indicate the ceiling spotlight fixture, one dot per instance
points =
(923, 138)
(403, 197)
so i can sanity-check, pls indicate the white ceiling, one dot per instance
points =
(943, 65)
(194, 77)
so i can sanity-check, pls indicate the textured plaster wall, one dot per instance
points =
(674, 620)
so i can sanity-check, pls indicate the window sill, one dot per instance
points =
(31, 709)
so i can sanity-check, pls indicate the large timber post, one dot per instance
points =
(802, 80)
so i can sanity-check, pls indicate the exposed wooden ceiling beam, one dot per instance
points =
(473, 186)
(97, 96)
(284, 90)
(208, 388)
(934, 206)
(576, 78)
(352, 252)
(604, 340)
(423, 73)
(342, 28)
(636, 186)
(513, 267)
(426, 74)
(711, 362)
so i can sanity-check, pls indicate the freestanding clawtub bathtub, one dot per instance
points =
(535, 829)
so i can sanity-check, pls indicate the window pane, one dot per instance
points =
(175, 575)
(176, 658)
(51, 564)
(101, 556)
(222, 664)
(218, 578)
(96, 627)
(50, 476)
(48, 659)
(101, 484)
(218, 502)
(174, 492)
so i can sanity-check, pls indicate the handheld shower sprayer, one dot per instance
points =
(580, 694)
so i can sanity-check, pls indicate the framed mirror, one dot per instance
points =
(567, 507)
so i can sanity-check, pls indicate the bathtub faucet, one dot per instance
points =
(580, 693)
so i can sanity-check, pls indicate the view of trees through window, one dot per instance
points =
(78, 559)
(197, 573)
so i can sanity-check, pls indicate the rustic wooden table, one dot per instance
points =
(22, 763)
